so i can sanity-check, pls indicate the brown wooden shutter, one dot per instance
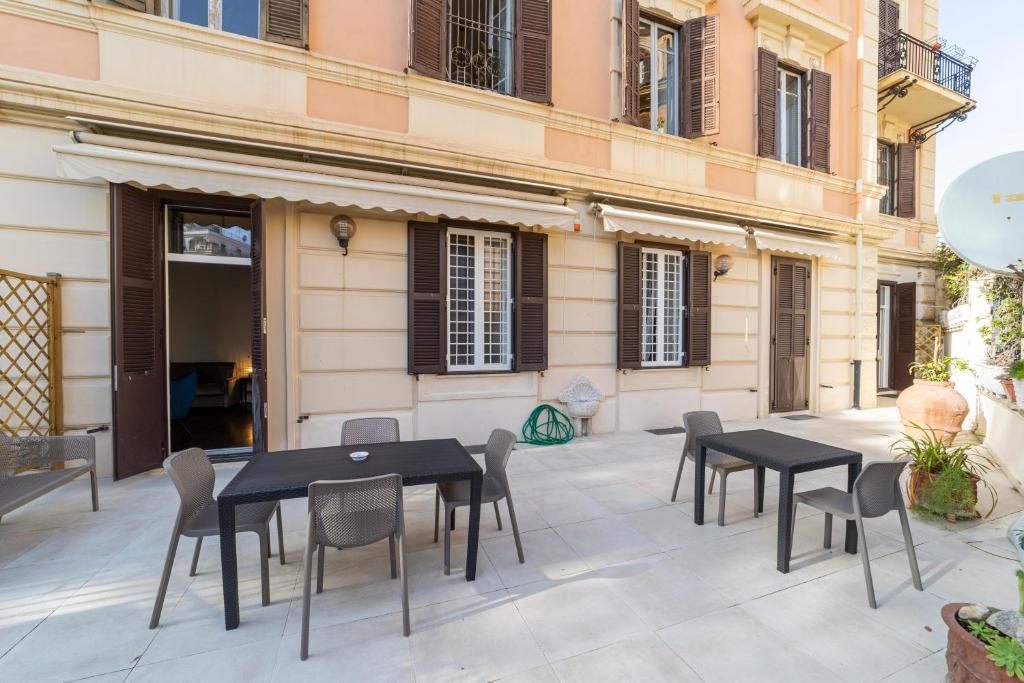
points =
(631, 61)
(139, 376)
(285, 21)
(531, 301)
(888, 26)
(791, 302)
(148, 6)
(426, 44)
(533, 50)
(906, 180)
(698, 308)
(819, 121)
(905, 298)
(767, 104)
(428, 290)
(700, 77)
(630, 307)
(258, 326)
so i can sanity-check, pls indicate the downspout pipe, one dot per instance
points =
(858, 309)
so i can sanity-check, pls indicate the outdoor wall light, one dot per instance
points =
(722, 265)
(344, 229)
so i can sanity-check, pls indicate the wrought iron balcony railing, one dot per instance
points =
(902, 51)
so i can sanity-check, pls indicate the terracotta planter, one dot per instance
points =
(966, 656)
(920, 483)
(1008, 388)
(934, 405)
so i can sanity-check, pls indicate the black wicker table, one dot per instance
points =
(789, 456)
(288, 474)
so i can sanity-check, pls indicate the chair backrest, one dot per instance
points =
(699, 423)
(876, 489)
(193, 477)
(183, 393)
(356, 512)
(369, 430)
(497, 452)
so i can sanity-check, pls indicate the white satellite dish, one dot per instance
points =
(981, 216)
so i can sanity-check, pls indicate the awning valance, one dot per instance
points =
(616, 219)
(808, 246)
(82, 161)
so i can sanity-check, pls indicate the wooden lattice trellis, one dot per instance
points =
(927, 342)
(30, 354)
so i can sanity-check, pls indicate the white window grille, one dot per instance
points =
(659, 77)
(662, 291)
(480, 44)
(789, 117)
(479, 300)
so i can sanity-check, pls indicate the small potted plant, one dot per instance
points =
(979, 648)
(933, 401)
(944, 479)
(1016, 374)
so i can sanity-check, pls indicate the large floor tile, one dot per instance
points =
(547, 555)
(606, 541)
(643, 657)
(253, 662)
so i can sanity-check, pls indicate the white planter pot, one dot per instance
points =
(1018, 389)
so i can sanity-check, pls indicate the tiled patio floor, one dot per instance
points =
(618, 584)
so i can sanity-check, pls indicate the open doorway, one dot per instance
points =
(209, 354)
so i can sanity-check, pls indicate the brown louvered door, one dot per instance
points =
(700, 77)
(906, 180)
(427, 265)
(285, 21)
(139, 373)
(698, 310)
(888, 26)
(630, 309)
(791, 304)
(767, 104)
(258, 328)
(819, 117)
(631, 61)
(531, 301)
(533, 50)
(905, 316)
(426, 44)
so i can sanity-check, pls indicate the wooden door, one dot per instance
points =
(791, 307)
(259, 330)
(137, 319)
(904, 333)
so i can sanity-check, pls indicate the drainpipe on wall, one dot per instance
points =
(858, 307)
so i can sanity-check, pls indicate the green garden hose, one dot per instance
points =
(548, 426)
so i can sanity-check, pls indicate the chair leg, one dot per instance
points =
(280, 535)
(265, 565)
(867, 564)
(307, 570)
(320, 568)
(391, 553)
(451, 519)
(828, 530)
(403, 576)
(515, 526)
(437, 511)
(195, 557)
(711, 484)
(165, 577)
(915, 571)
(679, 476)
(497, 515)
(721, 497)
(95, 489)
(448, 514)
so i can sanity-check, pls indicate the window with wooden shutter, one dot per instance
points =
(531, 301)
(888, 28)
(819, 116)
(905, 348)
(426, 50)
(630, 309)
(285, 21)
(257, 261)
(426, 297)
(631, 61)
(906, 181)
(698, 311)
(790, 316)
(767, 106)
(662, 271)
(700, 73)
(148, 6)
(533, 50)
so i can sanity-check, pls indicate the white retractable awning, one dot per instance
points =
(179, 171)
(808, 246)
(667, 225)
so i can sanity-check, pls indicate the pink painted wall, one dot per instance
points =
(581, 57)
(30, 44)
(373, 32)
(340, 102)
(841, 63)
(739, 64)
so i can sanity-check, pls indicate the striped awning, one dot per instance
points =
(618, 219)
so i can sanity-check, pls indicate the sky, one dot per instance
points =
(991, 31)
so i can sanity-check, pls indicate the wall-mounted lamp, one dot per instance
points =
(344, 229)
(722, 265)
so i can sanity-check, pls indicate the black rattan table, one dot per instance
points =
(288, 474)
(789, 456)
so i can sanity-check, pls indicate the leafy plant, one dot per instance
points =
(1008, 655)
(951, 491)
(1016, 370)
(954, 469)
(1004, 332)
(983, 632)
(938, 369)
(955, 274)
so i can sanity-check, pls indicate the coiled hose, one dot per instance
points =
(548, 426)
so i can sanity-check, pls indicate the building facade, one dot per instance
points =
(693, 204)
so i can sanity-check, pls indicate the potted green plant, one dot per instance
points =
(932, 400)
(1016, 374)
(978, 647)
(944, 478)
